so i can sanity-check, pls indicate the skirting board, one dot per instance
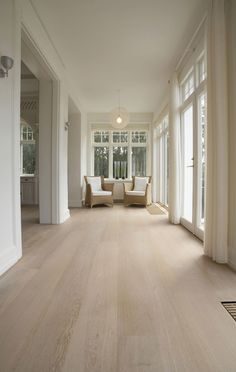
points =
(8, 259)
(232, 265)
(66, 216)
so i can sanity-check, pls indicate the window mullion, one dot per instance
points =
(110, 155)
(130, 155)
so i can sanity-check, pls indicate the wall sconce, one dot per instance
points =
(7, 63)
(67, 124)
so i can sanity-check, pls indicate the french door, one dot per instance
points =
(193, 129)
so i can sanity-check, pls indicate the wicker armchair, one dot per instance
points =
(138, 192)
(98, 192)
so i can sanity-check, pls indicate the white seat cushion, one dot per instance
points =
(101, 193)
(140, 183)
(135, 193)
(95, 182)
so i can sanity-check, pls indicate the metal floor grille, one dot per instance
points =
(230, 306)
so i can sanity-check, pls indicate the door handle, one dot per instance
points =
(190, 166)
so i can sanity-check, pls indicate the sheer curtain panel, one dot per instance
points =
(174, 153)
(216, 221)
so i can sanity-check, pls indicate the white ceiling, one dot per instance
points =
(131, 45)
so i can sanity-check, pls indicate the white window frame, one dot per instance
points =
(200, 88)
(129, 144)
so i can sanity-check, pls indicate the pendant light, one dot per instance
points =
(119, 116)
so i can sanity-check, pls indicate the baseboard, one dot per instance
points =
(8, 258)
(66, 216)
(232, 265)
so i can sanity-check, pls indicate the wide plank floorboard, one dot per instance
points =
(115, 290)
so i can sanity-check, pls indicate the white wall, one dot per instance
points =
(74, 160)
(45, 151)
(15, 14)
(62, 88)
(10, 235)
(232, 131)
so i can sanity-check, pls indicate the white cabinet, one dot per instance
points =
(29, 190)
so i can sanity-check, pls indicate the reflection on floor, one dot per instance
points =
(115, 290)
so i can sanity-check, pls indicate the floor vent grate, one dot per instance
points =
(230, 306)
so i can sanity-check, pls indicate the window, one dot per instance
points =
(120, 161)
(163, 144)
(120, 137)
(28, 151)
(139, 161)
(120, 154)
(139, 137)
(201, 70)
(101, 161)
(187, 151)
(187, 87)
(202, 158)
(101, 137)
(193, 129)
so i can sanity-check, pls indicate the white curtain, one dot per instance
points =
(174, 152)
(216, 220)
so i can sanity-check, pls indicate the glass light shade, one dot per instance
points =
(119, 118)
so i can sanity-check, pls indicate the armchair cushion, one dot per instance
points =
(135, 193)
(95, 183)
(101, 193)
(140, 183)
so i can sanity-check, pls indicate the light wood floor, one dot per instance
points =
(115, 290)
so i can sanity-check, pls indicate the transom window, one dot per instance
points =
(120, 137)
(120, 154)
(187, 87)
(139, 137)
(201, 70)
(101, 137)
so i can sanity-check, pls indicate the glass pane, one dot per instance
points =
(30, 136)
(124, 137)
(135, 137)
(164, 169)
(142, 137)
(191, 85)
(116, 137)
(201, 70)
(202, 174)
(29, 158)
(97, 137)
(167, 170)
(139, 161)
(105, 136)
(188, 164)
(188, 87)
(120, 162)
(101, 161)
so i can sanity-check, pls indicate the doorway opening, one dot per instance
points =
(39, 137)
